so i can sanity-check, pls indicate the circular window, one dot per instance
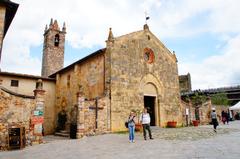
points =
(148, 55)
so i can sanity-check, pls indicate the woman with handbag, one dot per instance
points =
(131, 126)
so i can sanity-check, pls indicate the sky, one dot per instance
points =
(205, 34)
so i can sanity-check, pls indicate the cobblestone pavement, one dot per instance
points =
(181, 143)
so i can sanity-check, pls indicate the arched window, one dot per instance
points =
(56, 40)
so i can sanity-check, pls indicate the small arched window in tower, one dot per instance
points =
(56, 40)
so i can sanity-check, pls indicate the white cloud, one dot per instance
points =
(88, 22)
(216, 71)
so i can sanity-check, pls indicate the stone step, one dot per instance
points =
(62, 134)
(64, 131)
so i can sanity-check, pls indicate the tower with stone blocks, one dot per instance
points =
(53, 48)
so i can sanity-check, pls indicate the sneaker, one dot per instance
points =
(215, 130)
(151, 138)
(145, 138)
(133, 141)
(130, 141)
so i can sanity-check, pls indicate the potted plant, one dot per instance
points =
(171, 124)
(138, 125)
(195, 122)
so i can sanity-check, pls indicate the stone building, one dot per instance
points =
(24, 85)
(134, 71)
(185, 83)
(19, 124)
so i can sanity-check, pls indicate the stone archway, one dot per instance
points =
(152, 92)
(150, 102)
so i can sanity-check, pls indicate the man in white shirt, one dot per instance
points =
(145, 120)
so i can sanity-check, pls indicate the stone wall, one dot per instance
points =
(26, 86)
(14, 112)
(204, 112)
(186, 112)
(87, 76)
(21, 111)
(130, 72)
(91, 111)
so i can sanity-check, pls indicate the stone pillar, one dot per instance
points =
(37, 117)
(190, 108)
(80, 121)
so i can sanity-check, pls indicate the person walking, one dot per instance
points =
(214, 119)
(145, 120)
(227, 116)
(223, 116)
(131, 126)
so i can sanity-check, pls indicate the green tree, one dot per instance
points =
(220, 99)
(198, 99)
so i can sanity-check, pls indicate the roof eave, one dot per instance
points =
(11, 74)
(11, 9)
(79, 61)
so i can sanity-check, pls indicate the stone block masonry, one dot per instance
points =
(14, 112)
(93, 116)
(17, 111)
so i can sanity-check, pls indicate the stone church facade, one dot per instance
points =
(143, 73)
(133, 71)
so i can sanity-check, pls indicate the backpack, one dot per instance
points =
(126, 124)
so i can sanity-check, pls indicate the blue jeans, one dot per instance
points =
(131, 132)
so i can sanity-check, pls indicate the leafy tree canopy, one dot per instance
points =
(220, 99)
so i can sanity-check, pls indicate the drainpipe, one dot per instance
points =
(96, 117)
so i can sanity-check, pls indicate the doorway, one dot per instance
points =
(149, 103)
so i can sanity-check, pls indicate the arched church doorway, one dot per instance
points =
(150, 102)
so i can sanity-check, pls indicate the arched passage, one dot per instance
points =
(152, 91)
(150, 102)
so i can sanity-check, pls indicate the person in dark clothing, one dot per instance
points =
(223, 114)
(214, 119)
(62, 118)
(73, 120)
(227, 116)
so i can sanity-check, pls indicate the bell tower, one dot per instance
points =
(53, 48)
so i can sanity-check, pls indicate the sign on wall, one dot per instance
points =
(39, 106)
(37, 120)
(38, 113)
(38, 129)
